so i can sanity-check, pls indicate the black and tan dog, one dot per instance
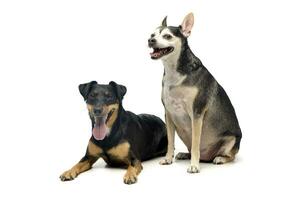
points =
(196, 105)
(120, 137)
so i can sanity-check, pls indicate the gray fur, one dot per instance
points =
(185, 74)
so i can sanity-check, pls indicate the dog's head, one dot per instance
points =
(103, 103)
(167, 41)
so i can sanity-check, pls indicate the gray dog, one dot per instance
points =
(196, 106)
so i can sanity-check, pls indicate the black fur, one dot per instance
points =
(187, 62)
(120, 90)
(145, 133)
(85, 89)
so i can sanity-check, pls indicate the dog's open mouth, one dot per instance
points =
(160, 52)
(100, 129)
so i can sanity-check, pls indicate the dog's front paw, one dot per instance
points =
(68, 175)
(193, 169)
(130, 178)
(166, 161)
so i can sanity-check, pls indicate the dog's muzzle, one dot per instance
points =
(151, 42)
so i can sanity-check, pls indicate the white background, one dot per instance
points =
(47, 48)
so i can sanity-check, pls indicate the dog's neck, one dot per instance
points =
(182, 61)
(171, 61)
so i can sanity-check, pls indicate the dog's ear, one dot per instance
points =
(187, 25)
(120, 90)
(164, 22)
(85, 88)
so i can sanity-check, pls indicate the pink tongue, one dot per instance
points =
(99, 130)
(154, 54)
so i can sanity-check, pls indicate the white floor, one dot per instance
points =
(251, 176)
(47, 48)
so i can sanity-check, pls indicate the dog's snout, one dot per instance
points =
(97, 111)
(151, 41)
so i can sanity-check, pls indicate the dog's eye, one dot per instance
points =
(107, 95)
(152, 35)
(167, 36)
(93, 94)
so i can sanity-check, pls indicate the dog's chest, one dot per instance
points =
(174, 99)
(178, 101)
(177, 98)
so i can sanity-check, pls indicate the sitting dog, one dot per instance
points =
(120, 137)
(196, 105)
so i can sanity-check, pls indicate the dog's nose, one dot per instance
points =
(97, 111)
(151, 41)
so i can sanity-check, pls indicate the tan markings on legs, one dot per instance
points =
(77, 169)
(94, 150)
(196, 138)
(113, 117)
(92, 155)
(170, 134)
(226, 152)
(120, 151)
(131, 175)
(138, 167)
(132, 172)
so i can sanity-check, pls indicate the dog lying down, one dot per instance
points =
(120, 137)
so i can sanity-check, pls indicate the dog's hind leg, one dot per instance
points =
(227, 151)
(162, 147)
(183, 156)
